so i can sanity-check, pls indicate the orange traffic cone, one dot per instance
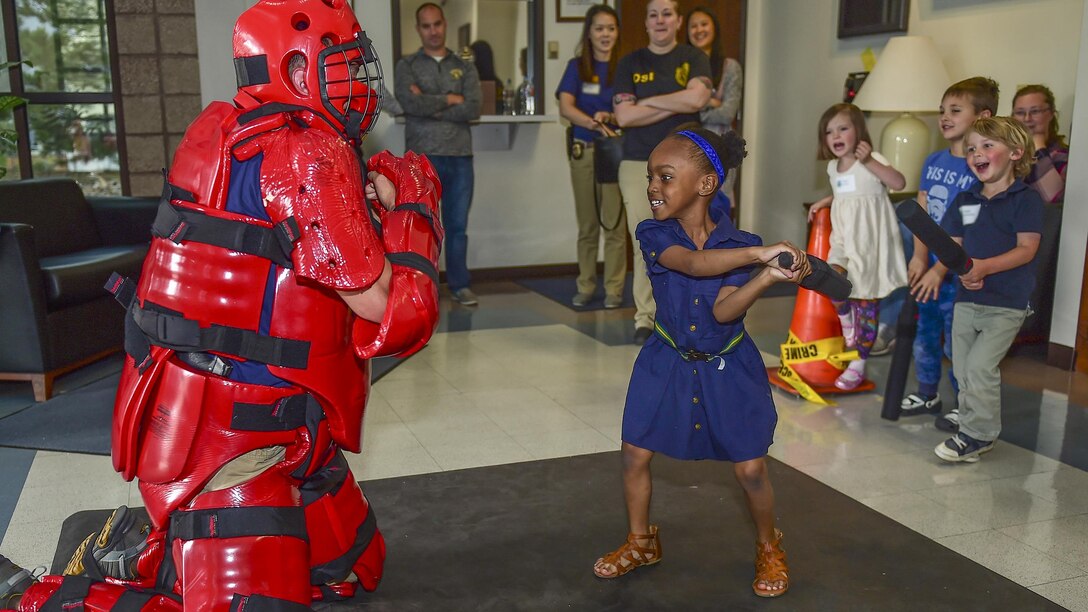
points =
(814, 353)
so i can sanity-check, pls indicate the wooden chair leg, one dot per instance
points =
(43, 386)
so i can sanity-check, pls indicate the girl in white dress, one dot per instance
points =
(865, 242)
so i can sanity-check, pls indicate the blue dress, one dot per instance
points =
(697, 409)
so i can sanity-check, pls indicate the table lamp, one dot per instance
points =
(909, 77)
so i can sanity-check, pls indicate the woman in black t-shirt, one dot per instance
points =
(656, 89)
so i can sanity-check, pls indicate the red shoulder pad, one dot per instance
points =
(315, 177)
(200, 157)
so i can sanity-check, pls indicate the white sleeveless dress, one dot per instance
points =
(865, 236)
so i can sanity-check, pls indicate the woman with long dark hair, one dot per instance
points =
(720, 114)
(585, 100)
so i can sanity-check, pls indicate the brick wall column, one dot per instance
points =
(160, 83)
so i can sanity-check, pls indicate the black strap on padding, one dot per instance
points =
(271, 108)
(287, 521)
(264, 603)
(275, 244)
(176, 332)
(326, 481)
(69, 595)
(122, 288)
(416, 261)
(339, 567)
(284, 414)
(136, 343)
(171, 191)
(133, 600)
(422, 210)
(251, 70)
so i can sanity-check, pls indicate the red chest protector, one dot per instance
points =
(207, 273)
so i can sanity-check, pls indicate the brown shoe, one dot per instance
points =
(771, 567)
(637, 551)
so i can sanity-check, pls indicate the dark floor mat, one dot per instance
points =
(524, 537)
(79, 421)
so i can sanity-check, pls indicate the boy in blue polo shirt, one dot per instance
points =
(999, 222)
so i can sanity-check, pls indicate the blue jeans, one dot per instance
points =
(935, 326)
(458, 180)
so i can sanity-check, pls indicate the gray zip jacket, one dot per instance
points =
(432, 126)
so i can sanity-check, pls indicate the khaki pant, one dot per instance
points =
(635, 202)
(611, 215)
(981, 335)
(246, 467)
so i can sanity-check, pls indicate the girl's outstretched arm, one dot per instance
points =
(712, 262)
(734, 301)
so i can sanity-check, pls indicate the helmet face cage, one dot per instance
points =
(350, 84)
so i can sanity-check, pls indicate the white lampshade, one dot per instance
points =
(909, 76)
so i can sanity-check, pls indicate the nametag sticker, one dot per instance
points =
(970, 213)
(591, 89)
(845, 184)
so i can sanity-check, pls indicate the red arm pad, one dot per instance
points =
(412, 235)
(411, 313)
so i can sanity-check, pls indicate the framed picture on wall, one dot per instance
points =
(864, 17)
(574, 10)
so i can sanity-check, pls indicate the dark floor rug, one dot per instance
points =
(79, 421)
(561, 289)
(524, 537)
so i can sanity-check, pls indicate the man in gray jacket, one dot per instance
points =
(440, 93)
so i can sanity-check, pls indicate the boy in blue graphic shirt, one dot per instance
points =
(944, 175)
(999, 222)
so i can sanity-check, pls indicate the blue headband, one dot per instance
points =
(711, 154)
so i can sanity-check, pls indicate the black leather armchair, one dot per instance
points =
(57, 250)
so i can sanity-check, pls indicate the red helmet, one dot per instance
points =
(343, 77)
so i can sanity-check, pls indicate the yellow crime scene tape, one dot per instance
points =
(794, 352)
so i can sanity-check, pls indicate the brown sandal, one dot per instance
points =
(771, 567)
(631, 555)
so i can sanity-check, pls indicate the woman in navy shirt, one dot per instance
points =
(585, 99)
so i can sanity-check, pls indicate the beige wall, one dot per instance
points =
(1071, 258)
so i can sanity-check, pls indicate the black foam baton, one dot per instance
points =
(906, 327)
(936, 239)
(823, 279)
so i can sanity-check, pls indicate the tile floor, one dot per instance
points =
(522, 378)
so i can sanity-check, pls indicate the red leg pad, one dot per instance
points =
(212, 570)
(339, 524)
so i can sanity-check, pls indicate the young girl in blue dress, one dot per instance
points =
(699, 387)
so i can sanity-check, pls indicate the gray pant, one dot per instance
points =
(981, 335)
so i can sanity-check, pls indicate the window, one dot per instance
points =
(68, 126)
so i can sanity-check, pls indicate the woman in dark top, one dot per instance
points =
(585, 100)
(656, 89)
